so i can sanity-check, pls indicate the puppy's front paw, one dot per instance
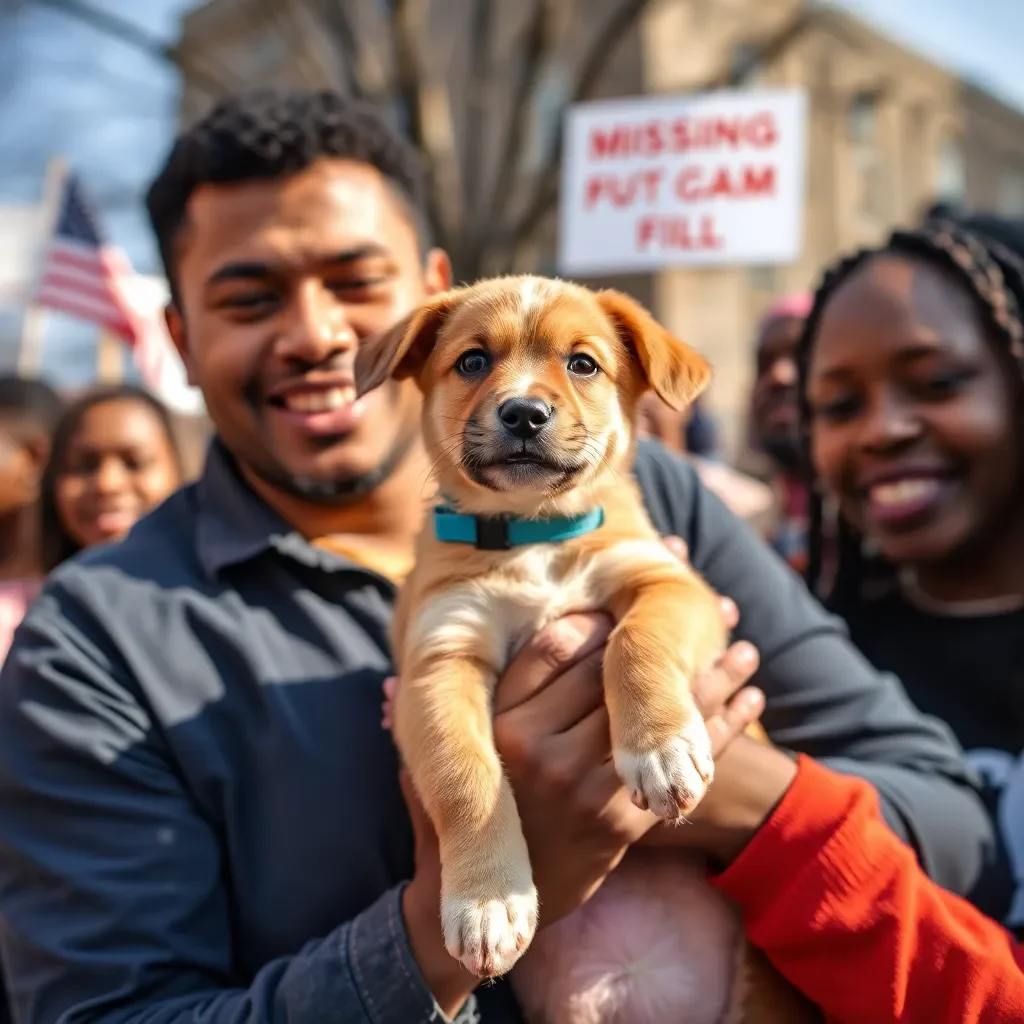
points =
(672, 779)
(489, 935)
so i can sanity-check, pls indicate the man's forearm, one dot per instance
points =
(364, 971)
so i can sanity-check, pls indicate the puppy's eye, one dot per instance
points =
(473, 362)
(582, 366)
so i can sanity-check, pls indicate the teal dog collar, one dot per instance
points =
(499, 533)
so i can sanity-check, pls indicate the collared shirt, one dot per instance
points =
(199, 811)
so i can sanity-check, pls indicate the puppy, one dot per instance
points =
(530, 394)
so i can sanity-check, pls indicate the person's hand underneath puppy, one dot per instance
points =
(751, 777)
(551, 730)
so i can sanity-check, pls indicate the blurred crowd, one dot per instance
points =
(75, 474)
(195, 665)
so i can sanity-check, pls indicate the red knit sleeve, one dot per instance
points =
(841, 907)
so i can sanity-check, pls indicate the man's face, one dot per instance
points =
(279, 282)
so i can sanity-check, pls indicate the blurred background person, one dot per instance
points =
(913, 379)
(744, 495)
(29, 411)
(115, 458)
(701, 432)
(774, 415)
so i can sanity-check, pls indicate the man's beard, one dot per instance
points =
(341, 490)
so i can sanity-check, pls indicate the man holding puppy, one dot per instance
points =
(200, 814)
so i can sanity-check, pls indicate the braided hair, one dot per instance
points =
(994, 276)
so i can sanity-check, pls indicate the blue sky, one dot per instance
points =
(983, 39)
(112, 110)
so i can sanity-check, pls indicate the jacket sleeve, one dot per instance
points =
(825, 699)
(113, 898)
(843, 910)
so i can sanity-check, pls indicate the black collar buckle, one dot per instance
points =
(492, 533)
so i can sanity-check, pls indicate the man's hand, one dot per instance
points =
(750, 777)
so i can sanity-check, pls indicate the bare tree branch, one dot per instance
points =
(479, 96)
(424, 94)
(605, 43)
(374, 50)
(203, 74)
(335, 16)
(286, 18)
(538, 43)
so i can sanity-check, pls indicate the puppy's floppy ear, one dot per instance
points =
(402, 350)
(676, 372)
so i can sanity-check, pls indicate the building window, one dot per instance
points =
(951, 185)
(1010, 199)
(862, 136)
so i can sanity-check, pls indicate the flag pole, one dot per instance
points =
(33, 323)
(109, 358)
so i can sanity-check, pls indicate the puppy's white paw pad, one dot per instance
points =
(489, 936)
(671, 780)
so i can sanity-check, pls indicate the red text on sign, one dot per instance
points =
(624, 189)
(686, 234)
(668, 136)
(694, 184)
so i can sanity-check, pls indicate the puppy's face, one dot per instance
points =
(531, 387)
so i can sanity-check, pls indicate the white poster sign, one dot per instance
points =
(677, 181)
(155, 356)
(21, 246)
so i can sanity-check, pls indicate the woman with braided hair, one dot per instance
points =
(911, 365)
(911, 379)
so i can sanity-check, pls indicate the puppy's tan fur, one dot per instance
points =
(464, 612)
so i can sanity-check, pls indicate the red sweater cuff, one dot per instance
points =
(809, 818)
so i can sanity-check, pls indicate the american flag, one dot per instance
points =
(81, 275)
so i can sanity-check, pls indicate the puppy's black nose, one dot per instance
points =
(525, 418)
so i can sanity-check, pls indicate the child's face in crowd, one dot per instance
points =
(913, 422)
(21, 464)
(118, 465)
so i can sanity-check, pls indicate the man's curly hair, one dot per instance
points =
(269, 133)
